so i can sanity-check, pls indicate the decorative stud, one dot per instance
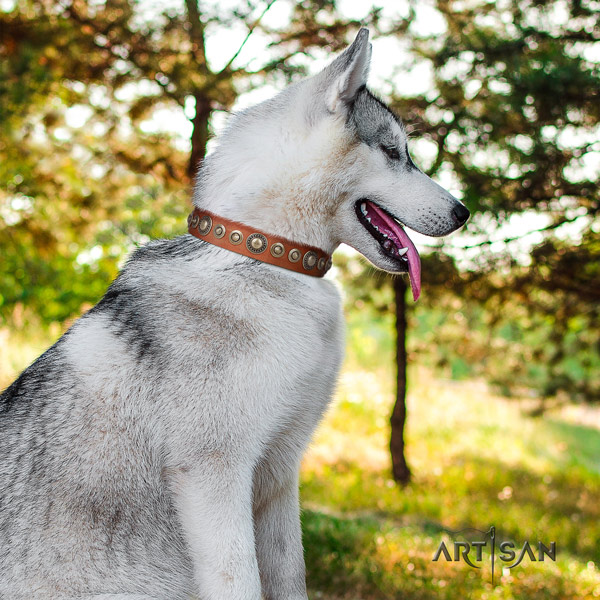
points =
(195, 220)
(205, 225)
(310, 260)
(256, 243)
(236, 237)
(277, 250)
(189, 220)
(219, 231)
(321, 264)
(328, 265)
(294, 255)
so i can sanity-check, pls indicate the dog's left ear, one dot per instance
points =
(343, 78)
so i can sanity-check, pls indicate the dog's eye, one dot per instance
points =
(391, 152)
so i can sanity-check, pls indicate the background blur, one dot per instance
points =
(106, 108)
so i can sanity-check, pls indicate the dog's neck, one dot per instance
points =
(275, 220)
(276, 175)
(259, 245)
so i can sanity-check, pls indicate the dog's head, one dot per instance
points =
(326, 162)
(391, 191)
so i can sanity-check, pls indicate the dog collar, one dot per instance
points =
(259, 245)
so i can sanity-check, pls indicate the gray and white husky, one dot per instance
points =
(153, 452)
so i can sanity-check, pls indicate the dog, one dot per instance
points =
(153, 452)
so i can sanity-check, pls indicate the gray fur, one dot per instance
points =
(372, 121)
(86, 463)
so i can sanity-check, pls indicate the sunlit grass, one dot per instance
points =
(477, 461)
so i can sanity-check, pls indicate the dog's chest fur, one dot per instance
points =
(194, 354)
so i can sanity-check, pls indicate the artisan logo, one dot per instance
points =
(504, 551)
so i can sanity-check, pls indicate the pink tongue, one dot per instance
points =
(414, 260)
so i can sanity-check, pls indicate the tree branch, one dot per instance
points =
(511, 239)
(108, 45)
(250, 32)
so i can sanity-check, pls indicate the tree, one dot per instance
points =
(400, 468)
(84, 176)
(512, 117)
(515, 116)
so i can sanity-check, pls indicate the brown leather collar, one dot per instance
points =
(259, 245)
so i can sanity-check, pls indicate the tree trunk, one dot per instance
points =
(203, 103)
(199, 133)
(400, 469)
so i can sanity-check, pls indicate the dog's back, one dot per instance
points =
(87, 468)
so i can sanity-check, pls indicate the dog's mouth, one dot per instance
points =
(394, 241)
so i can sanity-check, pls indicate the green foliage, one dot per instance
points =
(514, 116)
(510, 80)
(76, 166)
(508, 330)
(530, 329)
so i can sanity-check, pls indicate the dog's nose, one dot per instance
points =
(461, 213)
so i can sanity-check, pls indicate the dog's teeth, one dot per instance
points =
(402, 251)
(369, 219)
(363, 208)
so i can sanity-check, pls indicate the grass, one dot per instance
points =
(477, 461)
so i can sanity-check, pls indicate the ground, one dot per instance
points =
(478, 461)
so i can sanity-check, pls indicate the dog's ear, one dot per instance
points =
(342, 79)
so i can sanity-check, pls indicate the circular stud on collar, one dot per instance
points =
(321, 264)
(236, 237)
(310, 260)
(328, 265)
(194, 221)
(277, 250)
(205, 225)
(256, 243)
(294, 255)
(219, 231)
